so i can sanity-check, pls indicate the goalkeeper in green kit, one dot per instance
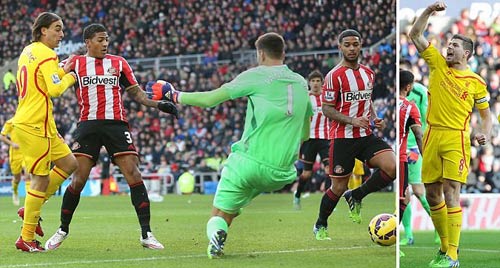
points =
(277, 120)
(418, 95)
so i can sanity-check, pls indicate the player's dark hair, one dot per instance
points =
(347, 33)
(272, 44)
(44, 20)
(405, 78)
(315, 74)
(92, 29)
(466, 43)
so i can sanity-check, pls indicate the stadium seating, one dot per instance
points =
(208, 133)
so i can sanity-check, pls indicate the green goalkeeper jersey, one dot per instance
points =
(418, 95)
(277, 109)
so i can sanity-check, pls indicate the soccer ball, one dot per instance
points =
(382, 229)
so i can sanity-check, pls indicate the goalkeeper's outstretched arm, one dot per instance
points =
(204, 99)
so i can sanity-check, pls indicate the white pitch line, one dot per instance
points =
(461, 249)
(53, 264)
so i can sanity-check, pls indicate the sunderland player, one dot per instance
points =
(277, 119)
(347, 102)
(38, 80)
(103, 122)
(15, 161)
(418, 95)
(318, 142)
(454, 89)
(409, 119)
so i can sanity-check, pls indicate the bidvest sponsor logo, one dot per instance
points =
(95, 80)
(357, 95)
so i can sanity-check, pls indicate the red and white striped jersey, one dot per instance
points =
(99, 88)
(408, 117)
(319, 122)
(349, 91)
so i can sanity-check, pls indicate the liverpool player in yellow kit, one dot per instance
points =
(38, 80)
(453, 91)
(15, 160)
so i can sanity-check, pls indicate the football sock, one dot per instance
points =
(402, 208)
(70, 202)
(440, 219)
(56, 177)
(328, 204)
(454, 228)
(300, 186)
(215, 224)
(28, 185)
(376, 182)
(407, 222)
(32, 206)
(140, 200)
(15, 185)
(425, 204)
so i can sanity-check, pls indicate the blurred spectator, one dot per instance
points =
(8, 79)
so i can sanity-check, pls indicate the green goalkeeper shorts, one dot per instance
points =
(415, 172)
(244, 178)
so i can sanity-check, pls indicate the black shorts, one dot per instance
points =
(114, 135)
(343, 153)
(403, 178)
(310, 149)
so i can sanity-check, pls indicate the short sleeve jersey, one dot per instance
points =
(349, 91)
(320, 124)
(452, 93)
(408, 117)
(278, 105)
(100, 83)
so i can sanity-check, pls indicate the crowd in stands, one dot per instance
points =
(485, 160)
(201, 138)
(140, 29)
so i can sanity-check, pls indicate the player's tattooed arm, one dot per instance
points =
(140, 96)
(334, 114)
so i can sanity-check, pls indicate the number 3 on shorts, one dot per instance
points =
(129, 137)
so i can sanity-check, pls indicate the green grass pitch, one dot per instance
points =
(269, 233)
(478, 249)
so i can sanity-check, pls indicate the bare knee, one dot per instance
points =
(339, 186)
(451, 191)
(306, 175)
(434, 193)
(68, 163)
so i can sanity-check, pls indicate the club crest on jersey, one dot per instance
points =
(338, 169)
(112, 71)
(369, 85)
(329, 95)
(363, 95)
(96, 80)
(75, 146)
(55, 79)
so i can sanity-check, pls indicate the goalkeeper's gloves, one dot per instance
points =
(162, 90)
(413, 155)
(169, 108)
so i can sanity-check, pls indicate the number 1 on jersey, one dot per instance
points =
(289, 109)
